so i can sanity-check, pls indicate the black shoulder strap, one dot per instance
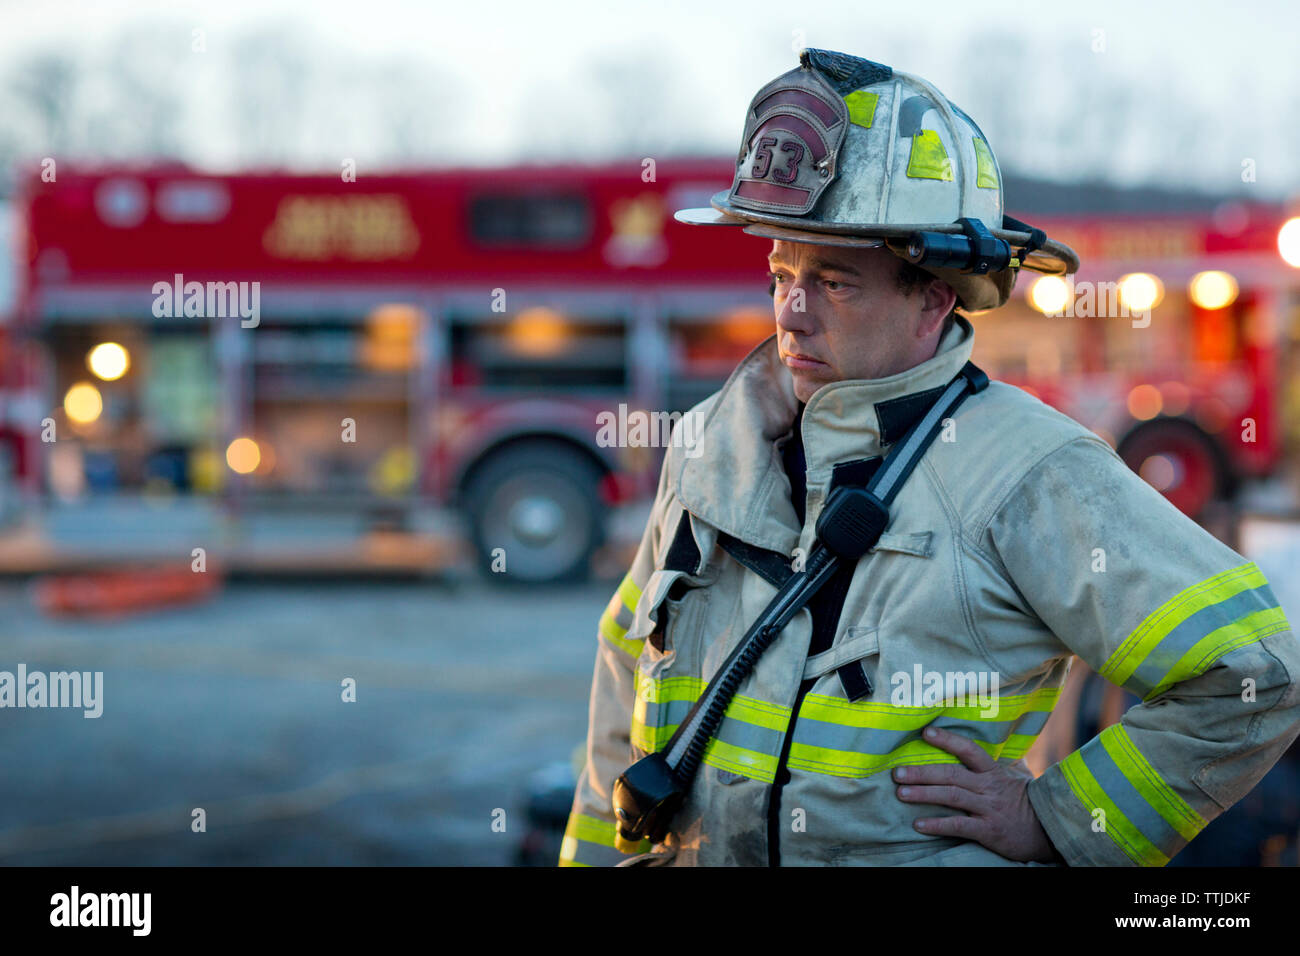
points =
(771, 566)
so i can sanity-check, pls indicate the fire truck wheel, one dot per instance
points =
(1180, 461)
(535, 513)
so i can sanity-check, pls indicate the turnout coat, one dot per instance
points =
(1019, 541)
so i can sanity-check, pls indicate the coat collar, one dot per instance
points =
(737, 482)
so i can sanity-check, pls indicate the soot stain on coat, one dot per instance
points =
(747, 848)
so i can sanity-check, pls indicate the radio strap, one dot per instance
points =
(650, 791)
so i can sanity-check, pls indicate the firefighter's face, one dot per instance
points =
(840, 314)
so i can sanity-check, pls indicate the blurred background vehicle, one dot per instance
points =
(464, 329)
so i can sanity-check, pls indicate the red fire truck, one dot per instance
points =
(383, 350)
(1188, 379)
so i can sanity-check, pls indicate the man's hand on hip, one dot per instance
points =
(994, 796)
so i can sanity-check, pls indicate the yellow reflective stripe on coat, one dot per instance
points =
(847, 739)
(1139, 811)
(590, 829)
(748, 742)
(1149, 784)
(884, 716)
(1188, 633)
(592, 839)
(629, 593)
(849, 763)
(833, 736)
(1240, 633)
(618, 616)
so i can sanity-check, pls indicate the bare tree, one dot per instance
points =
(45, 83)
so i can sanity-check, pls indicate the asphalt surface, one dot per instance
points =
(235, 706)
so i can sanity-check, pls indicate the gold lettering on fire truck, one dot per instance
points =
(1132, 242)
(358, 228)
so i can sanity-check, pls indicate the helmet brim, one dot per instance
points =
(1053, 258)
(707, 216)
(819, 238)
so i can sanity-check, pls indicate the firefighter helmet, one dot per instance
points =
(844, 151)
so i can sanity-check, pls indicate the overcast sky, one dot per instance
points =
(1157, 92)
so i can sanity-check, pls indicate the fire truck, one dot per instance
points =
(1180, 351)
(374, 352)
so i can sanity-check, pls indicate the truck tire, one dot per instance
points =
(1180, 461)
(536, 508)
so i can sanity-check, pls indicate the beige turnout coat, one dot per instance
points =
(1019, 540)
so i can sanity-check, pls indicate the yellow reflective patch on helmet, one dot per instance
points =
(929, 159)
(862, 107)
(986, 170)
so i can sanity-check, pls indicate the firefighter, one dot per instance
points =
(888, 722)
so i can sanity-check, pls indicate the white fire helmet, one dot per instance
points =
(843, 151)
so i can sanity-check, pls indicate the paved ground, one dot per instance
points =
(463, 692)
(236, 707)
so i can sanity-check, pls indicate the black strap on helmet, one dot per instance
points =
(1036, 236)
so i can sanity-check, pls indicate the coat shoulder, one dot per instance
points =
(1001, 407)
(998, 437)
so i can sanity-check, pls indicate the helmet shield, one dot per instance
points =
(794, 130)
